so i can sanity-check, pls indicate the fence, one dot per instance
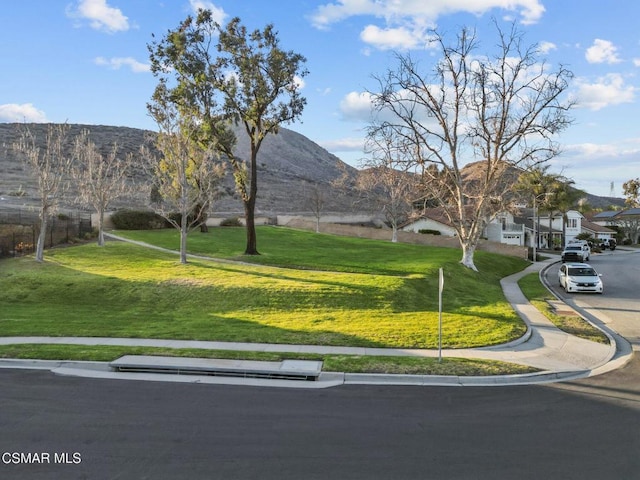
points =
(19, 230)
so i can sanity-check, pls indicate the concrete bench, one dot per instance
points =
(285, 370)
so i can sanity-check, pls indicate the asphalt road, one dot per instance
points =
(142, 430)
(619, 306)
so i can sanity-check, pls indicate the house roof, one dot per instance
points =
(436, 214)
(528, 223)
(594, 227)
(607, 214)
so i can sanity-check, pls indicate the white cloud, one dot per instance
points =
(607, 91)
(419, 11)
(25, 112)
(217, 13)
(118, 62)
(602, 51)
(356, 106)
(299, 82)
(393, 38)
(350, 144)
(595, 166)
(546, 47)
(100, 15)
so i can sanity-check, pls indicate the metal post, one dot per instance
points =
(440, 288)
(535, 239)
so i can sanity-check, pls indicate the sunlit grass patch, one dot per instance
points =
(361, 293)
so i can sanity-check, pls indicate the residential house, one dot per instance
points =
(431, 219)
(505, 228)
(627, 221)
(502, 228)
(519, 230)
(597, 231)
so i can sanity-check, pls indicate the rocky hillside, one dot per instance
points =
(290, 167)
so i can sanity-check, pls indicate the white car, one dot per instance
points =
(576, 252)
(579, 277)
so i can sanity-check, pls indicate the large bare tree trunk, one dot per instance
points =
(468, 250)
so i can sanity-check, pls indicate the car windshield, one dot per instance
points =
(582, 272)
(574, 247)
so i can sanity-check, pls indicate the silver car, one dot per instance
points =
(579, 277)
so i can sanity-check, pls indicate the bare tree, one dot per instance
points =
(51, 167)
(315, 200)
(387, 181)
(187, 170)
(499, 111)
(100, 179)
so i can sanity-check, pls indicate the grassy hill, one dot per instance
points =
(305, 288)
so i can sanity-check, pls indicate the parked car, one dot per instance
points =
(576, 252)
(579, 277)
(608, 243)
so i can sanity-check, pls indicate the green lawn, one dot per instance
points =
(382, 294)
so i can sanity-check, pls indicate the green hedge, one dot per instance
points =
(137, 220)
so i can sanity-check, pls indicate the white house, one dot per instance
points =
(431, 219)
(519, 230)
(504, 228)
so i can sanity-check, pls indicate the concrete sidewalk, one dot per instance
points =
(559, 355)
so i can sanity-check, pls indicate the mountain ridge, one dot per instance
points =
(292, 169)
(289, 167)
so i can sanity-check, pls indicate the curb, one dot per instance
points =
(102, 370)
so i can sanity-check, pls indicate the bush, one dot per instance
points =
(429, 231)
(137, 220)
(177, 218)
(231, 222)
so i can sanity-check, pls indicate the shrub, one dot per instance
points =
(177, 217)
(429, 231)
(137, 220)
(231, 222)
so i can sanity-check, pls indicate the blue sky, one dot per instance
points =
(86, 61)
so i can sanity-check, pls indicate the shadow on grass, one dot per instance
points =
(54, 300)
